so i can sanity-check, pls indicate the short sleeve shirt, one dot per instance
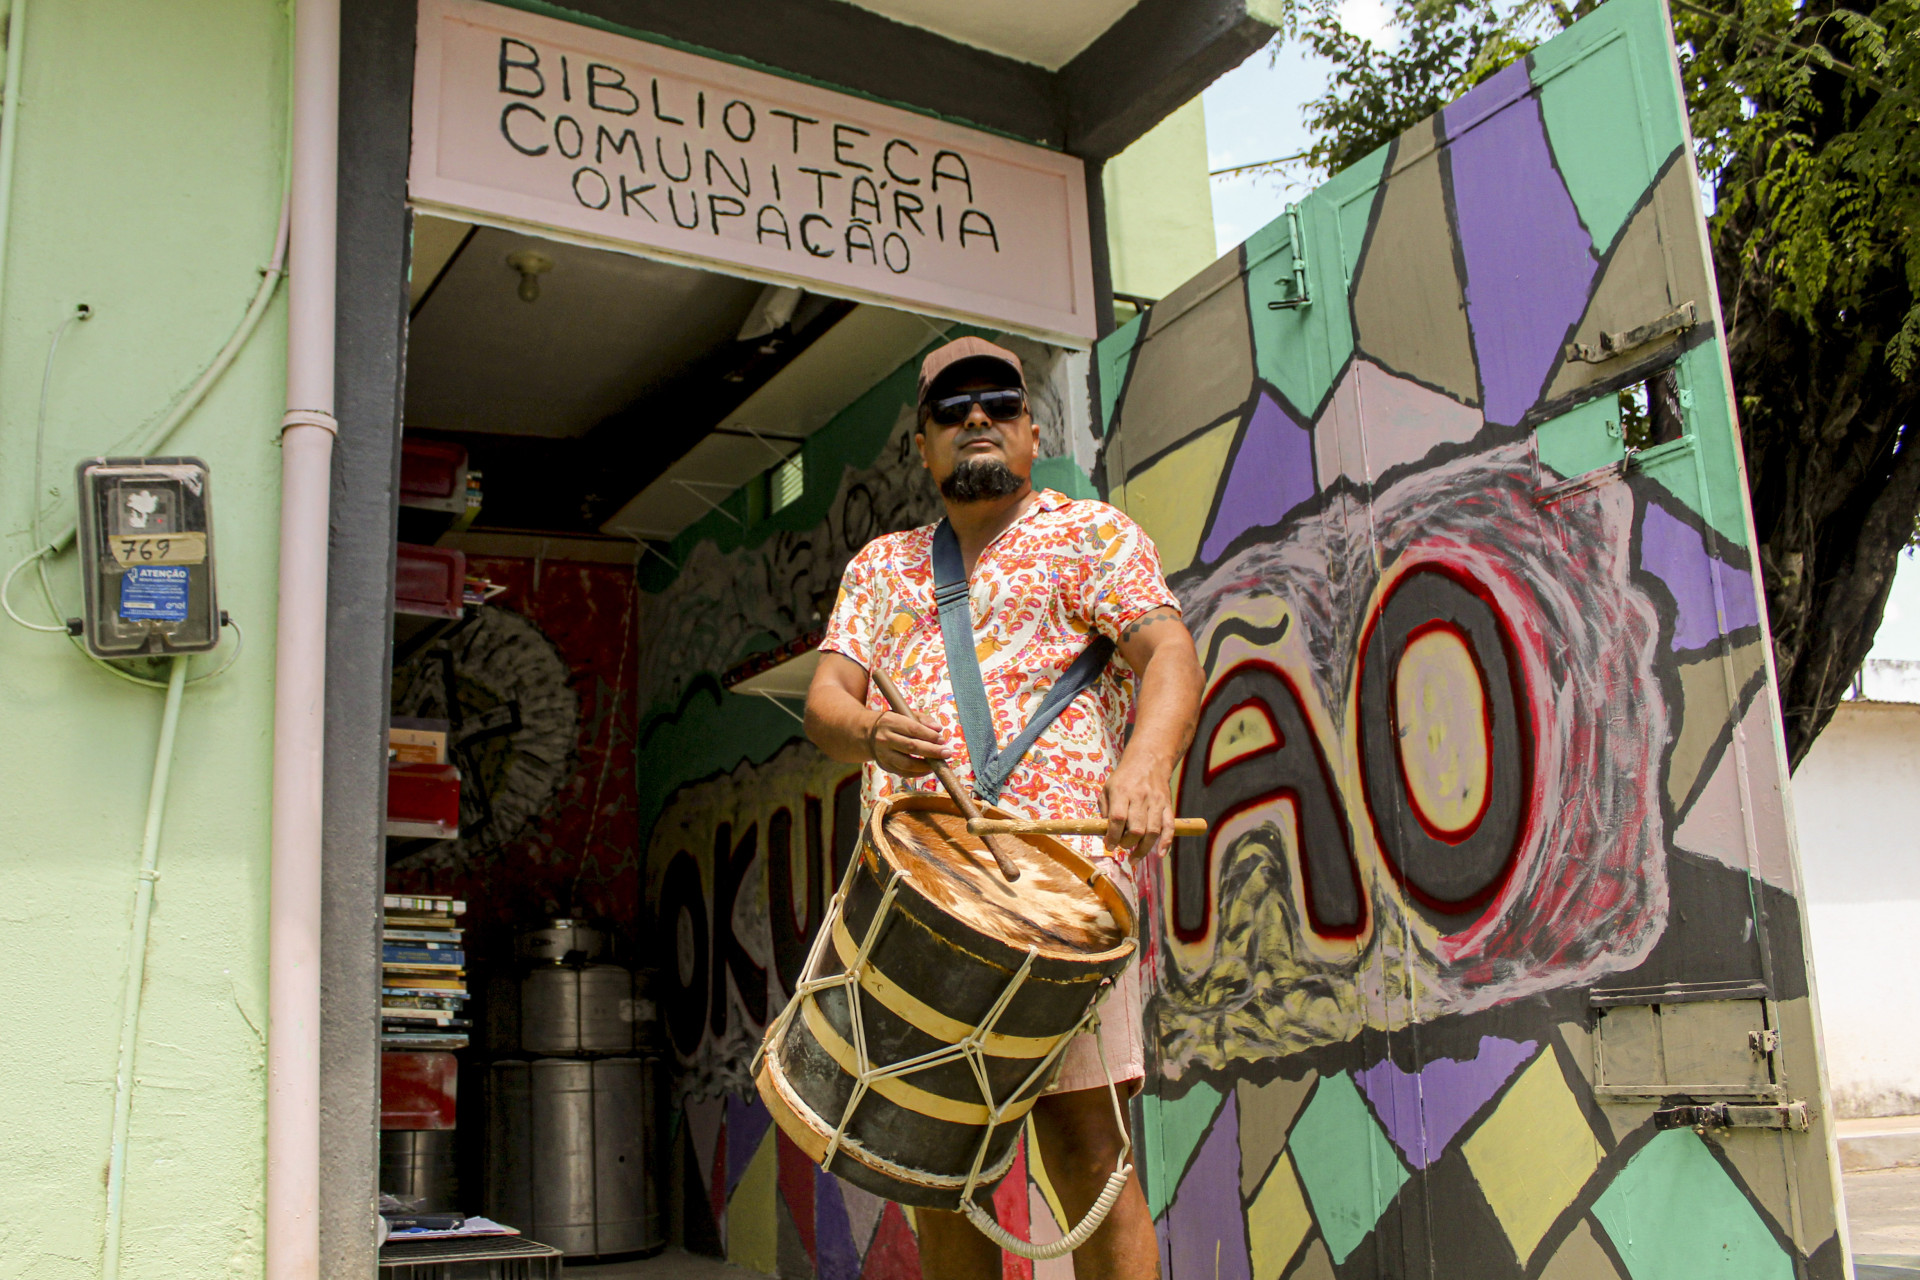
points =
(1065, 570)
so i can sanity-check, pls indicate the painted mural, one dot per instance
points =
(1443, 467)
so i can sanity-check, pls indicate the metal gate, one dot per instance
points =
(1493, 963)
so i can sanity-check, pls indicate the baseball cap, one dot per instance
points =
(944, 359)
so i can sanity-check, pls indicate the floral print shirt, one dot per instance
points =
(1065, 569)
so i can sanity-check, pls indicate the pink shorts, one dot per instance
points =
(1119, 1033)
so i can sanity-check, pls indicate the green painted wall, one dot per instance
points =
(1160, 207)
(150, 165)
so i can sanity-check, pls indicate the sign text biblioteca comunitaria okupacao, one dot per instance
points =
(656, 149)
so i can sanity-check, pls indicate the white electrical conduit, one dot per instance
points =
(137, 965)
(306, 437)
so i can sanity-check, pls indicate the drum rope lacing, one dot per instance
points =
(971, 1050)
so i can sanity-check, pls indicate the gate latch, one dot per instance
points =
(1611, 344)
(1295, 282)
(1733, 1115)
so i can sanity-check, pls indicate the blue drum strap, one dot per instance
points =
(992, 765)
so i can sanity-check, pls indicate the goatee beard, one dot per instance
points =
(980, 480)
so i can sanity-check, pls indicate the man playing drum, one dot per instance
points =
(1044, 575)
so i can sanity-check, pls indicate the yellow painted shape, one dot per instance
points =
(1240, 735)
(1277, 1220)
(1037, 1170)
(1533, 1154)
(1171, 498)
(752, 1233)
(1440, 707)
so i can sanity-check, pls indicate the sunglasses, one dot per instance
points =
(1001, 406)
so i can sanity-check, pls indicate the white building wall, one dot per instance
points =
(1856, 800)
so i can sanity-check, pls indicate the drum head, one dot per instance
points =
(1057, 904)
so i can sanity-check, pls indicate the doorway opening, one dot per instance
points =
(629, 488)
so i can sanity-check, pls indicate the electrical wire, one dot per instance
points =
(6, 586)
(137, 959)
(271, 275)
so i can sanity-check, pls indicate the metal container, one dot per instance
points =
(571, 1146)
(562, 940)
(417, 1168)
(568, 1011)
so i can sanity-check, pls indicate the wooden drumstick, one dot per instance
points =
(1066, 826)
(895, 699)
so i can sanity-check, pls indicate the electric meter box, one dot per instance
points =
(146, 557)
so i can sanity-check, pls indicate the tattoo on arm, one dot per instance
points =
(1147, 619)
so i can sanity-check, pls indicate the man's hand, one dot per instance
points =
(1138, 806)
(1138, 803)
(901, 744)
(842, 724)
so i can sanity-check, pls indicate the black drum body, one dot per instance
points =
(929, 982)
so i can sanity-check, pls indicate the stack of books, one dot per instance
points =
(423, 981)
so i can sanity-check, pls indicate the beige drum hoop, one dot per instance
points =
(857, 1064)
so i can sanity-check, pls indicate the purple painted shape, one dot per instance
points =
(1271, 473)
(1674, 552)
(1529, 260)
(838, 1258)
(1206, 1229)
(1423, 1110)
(747, 1121)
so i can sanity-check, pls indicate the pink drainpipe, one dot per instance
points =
(300, 679)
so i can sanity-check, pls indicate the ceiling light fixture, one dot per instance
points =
(531, 265)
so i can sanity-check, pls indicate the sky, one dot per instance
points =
(1254, 113)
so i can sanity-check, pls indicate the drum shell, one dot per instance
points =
(958, 973)
(568, 1011)
(571, 1148)
(418, 1168)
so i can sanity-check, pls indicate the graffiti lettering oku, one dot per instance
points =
(738, 923)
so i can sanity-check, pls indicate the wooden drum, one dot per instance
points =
(937, 1002)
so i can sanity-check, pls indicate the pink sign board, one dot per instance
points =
(525, 120)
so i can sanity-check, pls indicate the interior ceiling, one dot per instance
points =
(606, 329)
(835, 369)
(1047, 33)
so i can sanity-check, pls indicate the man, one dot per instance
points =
(1045, 574)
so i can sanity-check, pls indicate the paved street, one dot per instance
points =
(1883, 1213)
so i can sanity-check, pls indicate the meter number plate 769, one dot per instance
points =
(159, 548)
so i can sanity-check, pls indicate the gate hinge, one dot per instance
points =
(1733, 1115)
(1295, 282)
(1763, 1041)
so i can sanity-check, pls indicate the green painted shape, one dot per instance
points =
(1582, 439)
(1300, 350)
(1348, 1166)
(1705, 471)
(1112, 357)
(1351, 193)
(710, 733)
(1674, 1214)
(1065, 476)
(1171, 1129)
(1607, 149)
